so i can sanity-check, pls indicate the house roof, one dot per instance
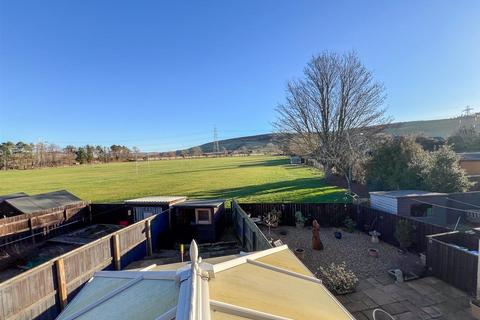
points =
(197, 203)
(406, 193)
(44, 201)
(12, 196)
(156, 200)
(269, 284)
(469, 156)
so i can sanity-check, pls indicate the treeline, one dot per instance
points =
(23, 155)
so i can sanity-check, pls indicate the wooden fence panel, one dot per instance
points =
(83, 262)
(30, 295)
(327, 214)
(453, 265)
(251, 237)
(131, 236)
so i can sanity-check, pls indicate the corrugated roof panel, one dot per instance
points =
(43, 201)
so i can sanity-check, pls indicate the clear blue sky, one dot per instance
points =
(160, 75)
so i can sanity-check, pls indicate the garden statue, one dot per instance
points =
(316, 242)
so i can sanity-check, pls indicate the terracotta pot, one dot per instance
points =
(373, 252)
(300, 253)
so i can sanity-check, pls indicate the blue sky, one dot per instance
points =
(160, 75)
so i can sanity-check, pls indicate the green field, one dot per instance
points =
(254, 178)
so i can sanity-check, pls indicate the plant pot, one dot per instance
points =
(338, 234)
(373, 252)
(300, 253)
(475, 308)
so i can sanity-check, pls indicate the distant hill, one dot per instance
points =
(256, 142)
(442, 128)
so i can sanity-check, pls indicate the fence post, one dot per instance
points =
(243, 232)
(61, 282)
(116, 252)
(32, 233)
(148, 235)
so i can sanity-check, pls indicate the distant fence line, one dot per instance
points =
(251, 237)
(43, 291)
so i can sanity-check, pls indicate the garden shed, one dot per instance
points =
(148, 206)
(56, 200)
(199, 219)
(424, 205)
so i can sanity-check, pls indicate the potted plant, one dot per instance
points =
(300, 253)
(372, 252)
(299, 219)
(475, 308)
(337, 278)
(404, 235)
(349, 225)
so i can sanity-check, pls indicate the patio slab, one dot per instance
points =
(426, 298)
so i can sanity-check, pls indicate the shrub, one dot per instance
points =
(299, 218)
(337, 278)
(404, 233)
(349, 225)
(272, 219)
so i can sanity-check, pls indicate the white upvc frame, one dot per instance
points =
(197, 221)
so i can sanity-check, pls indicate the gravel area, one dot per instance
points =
(351, 249)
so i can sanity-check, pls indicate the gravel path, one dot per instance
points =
(351, 249)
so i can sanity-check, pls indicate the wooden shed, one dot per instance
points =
(17, 205)
(424, 205)
(202, 220)
(148, 206)
(470, 162)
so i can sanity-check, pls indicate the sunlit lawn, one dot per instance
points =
(252, 179)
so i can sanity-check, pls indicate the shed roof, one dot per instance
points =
(156, 200)
(469, 156)
(44, 201)
(12, 196)
(269, 284)
(197, 203)
(406, 193)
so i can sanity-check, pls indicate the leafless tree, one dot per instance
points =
(334, 112)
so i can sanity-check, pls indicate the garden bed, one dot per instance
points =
(352, 249)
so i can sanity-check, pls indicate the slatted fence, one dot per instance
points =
(448, 260)
(251, 237)
(41, 292)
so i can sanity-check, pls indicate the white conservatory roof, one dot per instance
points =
(269, 284)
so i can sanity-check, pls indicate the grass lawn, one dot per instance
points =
(254, 178)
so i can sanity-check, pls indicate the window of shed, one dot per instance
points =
(202, 216)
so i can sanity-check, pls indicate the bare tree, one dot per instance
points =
(333, 113)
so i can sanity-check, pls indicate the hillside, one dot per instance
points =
(442, 128)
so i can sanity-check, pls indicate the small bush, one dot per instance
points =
(299, 218)
(337, 278)
(349, 225)
(404, 234)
